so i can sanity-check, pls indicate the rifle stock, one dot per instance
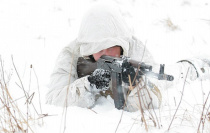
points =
(85, 67)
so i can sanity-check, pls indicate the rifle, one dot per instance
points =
(117, 66)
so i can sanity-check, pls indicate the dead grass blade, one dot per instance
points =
(201, 118)
(14, 118)
(179, 101)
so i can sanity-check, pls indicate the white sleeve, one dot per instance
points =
(64, 85)
(79, 93)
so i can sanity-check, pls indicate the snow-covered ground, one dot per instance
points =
(34, 32)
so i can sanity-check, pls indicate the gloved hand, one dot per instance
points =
(100, 78)
(128, 70)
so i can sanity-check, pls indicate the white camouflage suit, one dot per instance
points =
(101, 28)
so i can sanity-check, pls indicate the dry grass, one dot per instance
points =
(170, 25)
(17, 115)
(193, 116)
(179, 101)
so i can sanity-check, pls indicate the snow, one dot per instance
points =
(34, 32)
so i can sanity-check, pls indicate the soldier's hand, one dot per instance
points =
(128, 70)
(100, 78)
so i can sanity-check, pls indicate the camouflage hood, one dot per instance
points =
(103, 27)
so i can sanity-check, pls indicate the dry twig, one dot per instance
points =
(141, 109)
(201, 118)
(14, 119)
(180, 100)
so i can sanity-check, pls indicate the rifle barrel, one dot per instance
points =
(136, 64)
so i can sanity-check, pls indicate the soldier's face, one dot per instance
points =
(112, 51)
